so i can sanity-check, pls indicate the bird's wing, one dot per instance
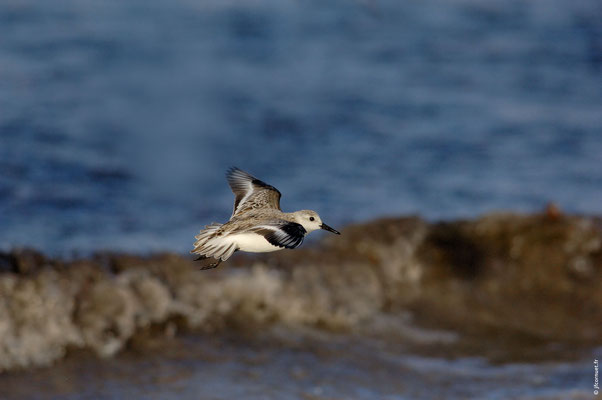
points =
(282, 233)
(251, 193)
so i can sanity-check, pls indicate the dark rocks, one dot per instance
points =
(532, 274)
(21, 261)
(502, 275)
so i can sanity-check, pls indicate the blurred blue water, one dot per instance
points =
(118, 119)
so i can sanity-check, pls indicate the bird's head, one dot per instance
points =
(311, 221)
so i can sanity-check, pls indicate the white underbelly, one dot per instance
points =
(253, 243)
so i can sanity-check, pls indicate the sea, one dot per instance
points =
(119, 119)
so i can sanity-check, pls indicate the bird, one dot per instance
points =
(257, 224)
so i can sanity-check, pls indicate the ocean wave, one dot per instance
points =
(538, 275)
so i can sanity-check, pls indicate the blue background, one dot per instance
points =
(118, 119)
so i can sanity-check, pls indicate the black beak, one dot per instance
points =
(329, 229)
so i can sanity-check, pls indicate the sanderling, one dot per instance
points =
(257, 224)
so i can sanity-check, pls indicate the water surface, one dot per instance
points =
(119, 118)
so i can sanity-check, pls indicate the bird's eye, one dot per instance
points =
(311, 218)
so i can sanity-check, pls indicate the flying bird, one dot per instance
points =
(257, 224)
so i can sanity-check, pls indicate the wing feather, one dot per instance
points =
(283, 234)
(251, 193)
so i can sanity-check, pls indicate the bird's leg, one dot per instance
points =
(209, 266)
(212, 265)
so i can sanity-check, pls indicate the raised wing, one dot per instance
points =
(251, 193)
(283, 234)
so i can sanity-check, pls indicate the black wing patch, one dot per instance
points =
(288, 235)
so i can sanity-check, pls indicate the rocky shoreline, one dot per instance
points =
(535, 276)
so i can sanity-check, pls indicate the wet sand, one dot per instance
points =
(299, 367)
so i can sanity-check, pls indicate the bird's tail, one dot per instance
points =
(208, 244)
